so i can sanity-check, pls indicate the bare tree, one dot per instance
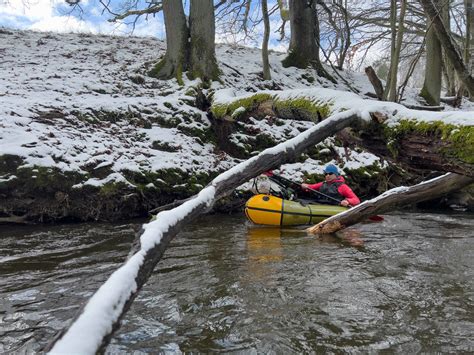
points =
(202, 40)
(431, 90)
(304, 42)
(449, 46)
(176, 59)
(266, 36)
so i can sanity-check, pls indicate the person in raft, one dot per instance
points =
(334, 187)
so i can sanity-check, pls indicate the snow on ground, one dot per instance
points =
(53, 85)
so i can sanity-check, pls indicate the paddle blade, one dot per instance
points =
(376, 218)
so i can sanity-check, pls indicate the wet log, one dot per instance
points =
(94, 325)
(391, 199)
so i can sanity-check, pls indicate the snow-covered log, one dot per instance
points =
(92, 329)
(391, 199)
(441, 141)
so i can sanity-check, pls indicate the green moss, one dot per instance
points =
(311, 109)
(459, 139)
(9, 163)
(41, 179)
(249, 103)
(309, 78)
(263, 141)
(295, 59)
(179, 75)
(430, 99)
(171, 181)
(156, 70)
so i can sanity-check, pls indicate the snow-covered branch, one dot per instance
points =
(93, 327)
(399, 196)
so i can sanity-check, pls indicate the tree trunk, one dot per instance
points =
(375, 81)
(450, 74)
(392, 94)
(202, 33)
(431, 90)
(304, 41)
(266, 36)
(448, 44)
(151, 243)
(346, 40)
(393, 43)
(176, 59)
(392, 199)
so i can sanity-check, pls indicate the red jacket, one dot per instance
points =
(344, 190)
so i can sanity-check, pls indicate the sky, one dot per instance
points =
(90, 17)
(58, 16)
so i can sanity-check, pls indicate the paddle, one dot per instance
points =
(280, 180)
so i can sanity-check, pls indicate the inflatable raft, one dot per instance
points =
(274, 211)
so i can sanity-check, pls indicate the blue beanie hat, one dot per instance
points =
(331, 169)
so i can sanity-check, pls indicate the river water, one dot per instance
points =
(225, 285)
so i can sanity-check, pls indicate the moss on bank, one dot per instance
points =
(45, 194)
(303, 108)
(221, 111)
(459, 140)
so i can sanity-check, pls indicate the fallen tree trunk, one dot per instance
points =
(423, 140)
(96, 322)
(391, 199)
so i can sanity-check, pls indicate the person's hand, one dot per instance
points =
(305, 187)
(344, 203)
(268, 173)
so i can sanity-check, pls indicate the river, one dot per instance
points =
(225, 285)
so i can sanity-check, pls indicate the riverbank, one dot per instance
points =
(87, 135)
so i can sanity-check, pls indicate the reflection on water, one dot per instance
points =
(225, 285)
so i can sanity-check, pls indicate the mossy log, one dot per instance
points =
(391, 199)
(420, 140)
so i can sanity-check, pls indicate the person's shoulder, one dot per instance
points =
(340, 180)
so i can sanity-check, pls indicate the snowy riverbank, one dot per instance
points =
(87, 135)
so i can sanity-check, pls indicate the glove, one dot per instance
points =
(268, 173)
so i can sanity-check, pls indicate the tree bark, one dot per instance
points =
(393, 30)
(448, 45)
(448, 67)
(176, 59)
(431, 90)
(391, 199)
(392, 89)
(304, 40)
(189, 48)
(266, 36)
(375, 81)
(202, 35)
